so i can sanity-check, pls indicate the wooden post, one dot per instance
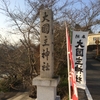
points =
(97, 43)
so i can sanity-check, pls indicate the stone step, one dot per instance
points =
(21, 96)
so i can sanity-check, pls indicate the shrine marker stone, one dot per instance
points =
(46, 82)
(46, 44)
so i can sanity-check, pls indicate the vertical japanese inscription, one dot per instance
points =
(79, 49)
(46, 46)
(45, 17)
(79, 58)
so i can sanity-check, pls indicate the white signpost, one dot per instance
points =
(46, 83)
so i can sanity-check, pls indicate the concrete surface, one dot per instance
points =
(21, 96)
(92, 78)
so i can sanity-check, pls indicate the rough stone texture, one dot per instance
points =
(46, 93)
(46, 44)
(46, 84)
(46, 81)
(46, 88)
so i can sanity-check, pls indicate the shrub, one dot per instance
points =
(11, 84)
(4, 86)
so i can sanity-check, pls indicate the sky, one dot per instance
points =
(13, 3)
(4, 24)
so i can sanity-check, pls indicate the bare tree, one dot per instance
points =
(86, 16)
(27, 23)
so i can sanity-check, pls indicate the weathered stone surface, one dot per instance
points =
(46, 81)
(46, 44)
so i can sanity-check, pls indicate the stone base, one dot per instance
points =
(46, 88)
(46, 81)
(57, 98)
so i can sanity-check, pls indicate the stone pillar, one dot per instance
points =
(46, 44)
(46, 82)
